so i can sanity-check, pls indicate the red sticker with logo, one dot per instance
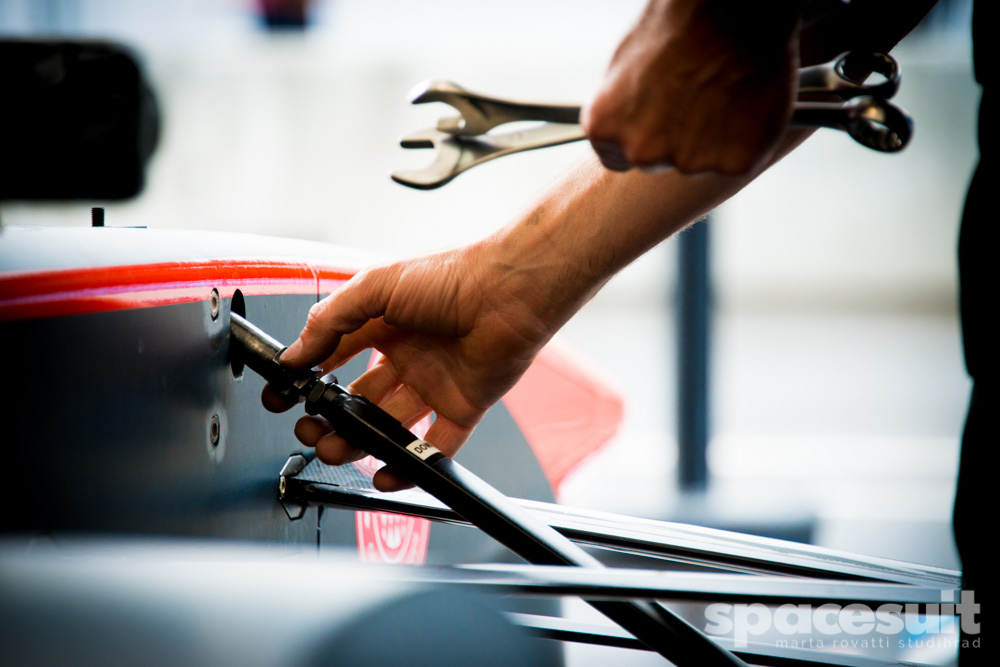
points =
(391, 538)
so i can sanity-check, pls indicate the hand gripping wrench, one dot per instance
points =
(464, 141)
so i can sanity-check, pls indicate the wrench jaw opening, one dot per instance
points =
(472, 118)
(455, 154)
(418, 180)
(447, 156)
(440, 90)
(436, 90)
(879, 126)
(853, 69)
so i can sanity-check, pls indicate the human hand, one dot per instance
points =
(455, 332)
(698, 85)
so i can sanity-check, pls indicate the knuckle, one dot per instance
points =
(736, 163)
(643, 154)
(688, 163)
(612, 157)
(603, 122)
(645, 151)
(315, 316)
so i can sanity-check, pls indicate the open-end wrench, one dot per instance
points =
(464, 141)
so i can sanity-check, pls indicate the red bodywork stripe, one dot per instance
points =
(41, 294)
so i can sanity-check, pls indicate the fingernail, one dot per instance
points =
(292, 351)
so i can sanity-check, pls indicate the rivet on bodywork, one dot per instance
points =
(214, 303)
(215, 430)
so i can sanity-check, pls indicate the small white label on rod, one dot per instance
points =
(422, 449)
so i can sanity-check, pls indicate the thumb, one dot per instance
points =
(361, 299)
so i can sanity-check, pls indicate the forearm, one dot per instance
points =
(600, 221)
(593, 222)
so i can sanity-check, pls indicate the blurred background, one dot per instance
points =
(837, 384)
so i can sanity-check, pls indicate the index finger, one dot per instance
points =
(363, 298)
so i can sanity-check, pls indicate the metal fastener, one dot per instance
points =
(214, 304)
(215, 430)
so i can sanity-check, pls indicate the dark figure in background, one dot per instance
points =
(285, 14)
(977, 298)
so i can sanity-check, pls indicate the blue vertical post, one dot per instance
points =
(694, 315)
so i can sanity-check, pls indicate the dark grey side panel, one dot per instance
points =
(112, 431)
(109, 430)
